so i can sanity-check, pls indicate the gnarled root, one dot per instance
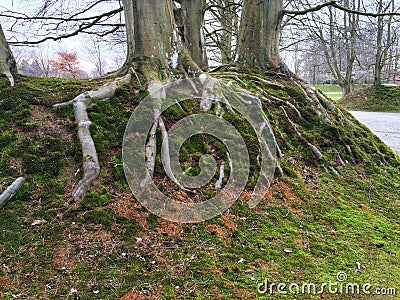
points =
(157, 92)
(91, 167)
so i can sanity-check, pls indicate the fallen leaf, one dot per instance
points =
(38, 222)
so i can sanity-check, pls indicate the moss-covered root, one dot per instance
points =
(91, 167)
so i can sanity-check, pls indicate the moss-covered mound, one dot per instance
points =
(323, 216)
(382, 98)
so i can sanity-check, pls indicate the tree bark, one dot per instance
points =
(8, 64)
(193, 31)
(379, 48)
(260, 31)
(152, 45)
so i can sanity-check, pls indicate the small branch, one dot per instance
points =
(11, 191)
(81, 28)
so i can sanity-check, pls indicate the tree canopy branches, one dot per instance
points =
(340, 7)
(63, 24)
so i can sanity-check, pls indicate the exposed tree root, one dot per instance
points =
(294, 126)
(91, 167)
(218, 184)
(339, 158)
(157, 92)
(316, 152)
(11, 191)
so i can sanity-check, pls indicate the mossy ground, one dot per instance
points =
(108, 246)
(382, 98)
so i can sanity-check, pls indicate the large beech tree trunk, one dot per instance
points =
(156, 48)
(7, 60)
(150, 30)
(259, 35)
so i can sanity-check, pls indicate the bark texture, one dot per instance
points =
(260, 30)
(193, 32)
(150, 32)
(7, 60)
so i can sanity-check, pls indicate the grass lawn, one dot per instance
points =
(329, 88)
(333, 91)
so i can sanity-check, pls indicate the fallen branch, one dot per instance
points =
(11, 191)
(91, 167)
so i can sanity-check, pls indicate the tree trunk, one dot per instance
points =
(229, 20)
(193, 31)
(7, 60)
(260, 31)
(150, 36)
(379, 48)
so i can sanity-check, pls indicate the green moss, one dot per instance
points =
(103, 217)
(329, 222)
(382, 98)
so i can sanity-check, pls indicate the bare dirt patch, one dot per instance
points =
(126, 206)
(63, 256)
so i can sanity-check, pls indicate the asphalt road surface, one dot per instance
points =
(384, 125)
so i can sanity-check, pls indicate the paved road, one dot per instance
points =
(384, 125)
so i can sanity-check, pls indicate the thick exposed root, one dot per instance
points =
(157, 92)
(91, 167)
(11, 191)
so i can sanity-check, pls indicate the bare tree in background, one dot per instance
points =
(223, 28)
(42, 56)
(385, 38)
(95, 53)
